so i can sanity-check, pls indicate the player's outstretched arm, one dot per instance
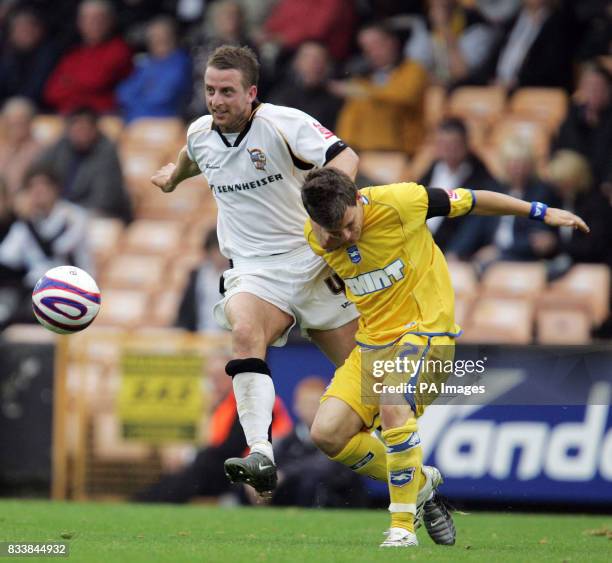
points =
(347, 161)
(493, 203)
(171, 175)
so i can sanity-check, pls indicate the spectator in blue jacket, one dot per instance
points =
(161, 82)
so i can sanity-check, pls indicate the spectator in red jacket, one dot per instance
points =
(330, 22)
(87, 75)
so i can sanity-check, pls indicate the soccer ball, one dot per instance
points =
(66, 299)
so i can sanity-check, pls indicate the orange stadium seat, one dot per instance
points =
(514, 279)
(164, 308)
(508, 321)
(197, 231)
(138, 166)
(104, 234)
(548, 105)
(463, 278)
(161, 134)
(480, 103)
(586, 286)
(47, 129)
(192, 197)
(464, 305)
(182, 265)
(563, 325)
(145, 236)
(134, 271)
(111, 126)
(123, 308)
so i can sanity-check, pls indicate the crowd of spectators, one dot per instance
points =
(361, 67)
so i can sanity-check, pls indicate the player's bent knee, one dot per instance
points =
(394, 416)
(327, 437)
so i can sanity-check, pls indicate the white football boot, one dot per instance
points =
(398, 537)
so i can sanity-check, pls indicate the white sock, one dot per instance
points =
(255, 400)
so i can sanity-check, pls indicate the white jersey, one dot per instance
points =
(256, 177)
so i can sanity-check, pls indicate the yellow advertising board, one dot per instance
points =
(160, 399)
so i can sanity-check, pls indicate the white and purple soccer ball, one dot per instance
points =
(66, 300)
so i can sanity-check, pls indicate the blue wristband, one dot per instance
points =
(538, 210)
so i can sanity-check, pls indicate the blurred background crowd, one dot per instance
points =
(512, 96)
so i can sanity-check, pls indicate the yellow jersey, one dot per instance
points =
(396, 275)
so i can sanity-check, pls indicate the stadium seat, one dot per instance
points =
(123, 308)
(164, 308)
(154, 133)
(382, 167)
(495, 320)
(463, 278)
(111, 126)
(479, 103)
(146, 236)
(28, 334)
(47, 128)
(548, 105)
(134, 271)
(197, 231)
(104, 234)
(188, 199)
(138, 166)
(434, 105)
(463, 309)
(556, 325)
(182, 265)
(514, 279)
(586, 286)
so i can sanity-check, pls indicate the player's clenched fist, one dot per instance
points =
(163, 178)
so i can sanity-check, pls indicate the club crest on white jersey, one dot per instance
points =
(258, 157)
(256, 176)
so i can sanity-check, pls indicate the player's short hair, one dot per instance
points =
(453, 125)
(326, 194)
(243, 59)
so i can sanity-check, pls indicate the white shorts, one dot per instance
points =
(295, 283)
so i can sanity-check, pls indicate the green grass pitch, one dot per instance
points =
(112, 533)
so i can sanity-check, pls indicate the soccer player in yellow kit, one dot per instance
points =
(377, 241)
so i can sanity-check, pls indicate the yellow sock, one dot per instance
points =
(404, 462)
(366, 455)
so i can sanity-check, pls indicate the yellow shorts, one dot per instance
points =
(353, 380)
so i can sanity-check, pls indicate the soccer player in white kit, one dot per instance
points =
(255, 157)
